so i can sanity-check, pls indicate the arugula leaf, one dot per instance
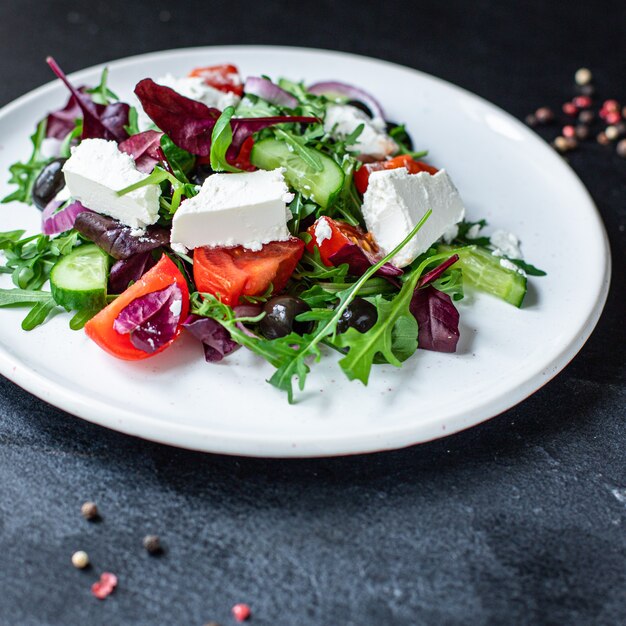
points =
(30, 259)
(180, 160)
(221, 138)
(393, 336)
(24, 174)
(531, 270)
(10, 297)
(39, 313)
(132, 128)
(79, 320)
(300, 148)
(102, 94)
(401, 137)
(75, 133)
(300, 209)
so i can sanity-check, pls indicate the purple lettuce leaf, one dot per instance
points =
(359, 261)
(54, 221)
(145, 148)
(99, 120)
(215, 339)
(152, 319)
(62, 121)
(437, 319)
(435, 273)
(189, 123)
(116, 238)
(125, 271)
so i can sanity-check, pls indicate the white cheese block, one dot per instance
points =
(96, 170)
(394, 203)
(342, 119)
(247, 209)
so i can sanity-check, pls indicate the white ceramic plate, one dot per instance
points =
(504, 173)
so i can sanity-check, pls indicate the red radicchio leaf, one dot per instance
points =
(437, 319)
(54, 222)
(152, 319)
(359, 261)
(116, 238)
(63, 120)
(125, 271)
(434, 274)
(190, 124)
(145, 148)
(99, 120)
(215, 339)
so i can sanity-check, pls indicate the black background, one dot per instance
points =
(520, 520)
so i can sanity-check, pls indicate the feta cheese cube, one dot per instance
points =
(342, 119)
(247, 209)
(394, 203)
(97, 170)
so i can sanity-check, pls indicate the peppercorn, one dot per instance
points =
(560, 143)
(611, 132)
(569, 108)
(241, 612)
(586, 117)
(568, 131)
(89, 511)
(587, 90)
(544, 115)
(80, 559)
(583, 76)
(571, 143)
(624, 112)
(531, 120)
(621, 148)
(152, 544)
(602, 139)
(582, 132)
(582, 102)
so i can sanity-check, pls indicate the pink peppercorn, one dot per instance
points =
(569, 108)
(241, 612)
(611, 105)
(568, 131)
(612, 117)
(582, 102)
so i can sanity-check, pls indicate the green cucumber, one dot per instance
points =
(318, 184)
(78, 281)
(483, 270)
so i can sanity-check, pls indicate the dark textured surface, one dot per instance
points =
(520, 520)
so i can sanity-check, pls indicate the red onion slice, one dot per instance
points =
(350, 92)
(54, 222)
(267, 90)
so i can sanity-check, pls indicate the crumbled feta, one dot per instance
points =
(322, 230)
(506, 244)
(511, 266)
(394, 203)
(176, 307)
(342, 119)
(179, 248)
(247, 209)
(97, 170)
(473, 232)
(450, 233)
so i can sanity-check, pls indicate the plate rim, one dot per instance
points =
(275, 446)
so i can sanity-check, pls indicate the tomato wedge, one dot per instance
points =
(230, 273)
(100, 328)
(341, 234)
(362, 175)
(223, 77)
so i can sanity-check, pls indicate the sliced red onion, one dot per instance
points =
(350, 92)
(54, 222)
(267, 90)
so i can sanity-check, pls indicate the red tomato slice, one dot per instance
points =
(229, 273)
(100, 328)
(341, 234)
(362, 175)
(222, 77)
(243, 158)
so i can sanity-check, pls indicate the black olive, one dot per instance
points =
(362, 106)
(280, 314)
(402, 136)
(359, 314)
(201, 172)
(48, 184)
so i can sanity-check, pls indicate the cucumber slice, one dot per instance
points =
(321, 186)
(78, 281)
(483, 270)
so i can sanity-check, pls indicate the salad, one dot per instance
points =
(294, 220)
